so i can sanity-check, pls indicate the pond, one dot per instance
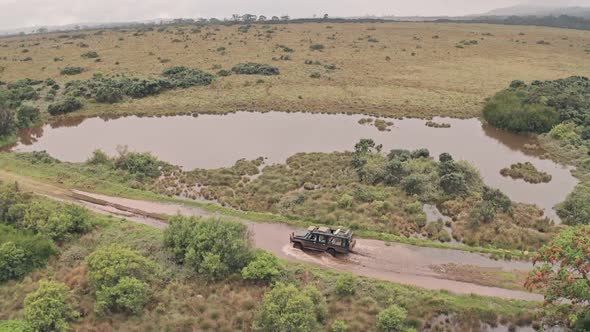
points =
(211, 141)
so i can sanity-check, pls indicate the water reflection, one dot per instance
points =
(211, 141)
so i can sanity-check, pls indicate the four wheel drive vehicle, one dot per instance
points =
(324, 239)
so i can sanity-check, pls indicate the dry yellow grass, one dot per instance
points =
(425, 76)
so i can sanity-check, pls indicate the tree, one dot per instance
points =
(562, 271)
(339, 326)
(285, 18)
(249, 18)
(286, 309)
(27, 115)
(48, 308)
(12, 261)
(445, 157)
(275, 18)
(236, 17)
(325, 16)
(261, 18)
(453, 183)
(264, 267)
(119, 277)
(575, 210)
(392, 319)
(212, 247)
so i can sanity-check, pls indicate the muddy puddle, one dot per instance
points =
(211, 141)
(405, 264)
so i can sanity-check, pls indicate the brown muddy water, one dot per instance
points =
(211, 141)
(405, 264)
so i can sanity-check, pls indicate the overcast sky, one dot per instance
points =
(25, 13)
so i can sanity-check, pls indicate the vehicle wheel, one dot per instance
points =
(332, 252)
(297, 245)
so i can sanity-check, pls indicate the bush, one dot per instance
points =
(14, 326)
(27, 115)
(316, 47)
(183, 77)
(453, 183)
(575, 210)
(346, 284)
(142, 165)
(264, 267)
(339, 326)
(72, 70)
(212, 247)
(99, 158)
(508, 110)
(251, 68)
(392, 319)
(60, 222)
(128, 295)
(48, 308)
(286, 309)
(90, 55)
(119, 277)
(65, 106)
(22, 251)
(7, 122)
(108, 95)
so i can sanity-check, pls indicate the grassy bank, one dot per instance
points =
(80, 176)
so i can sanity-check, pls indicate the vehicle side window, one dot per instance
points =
(337, 241)
(312, 237)
(322, 239)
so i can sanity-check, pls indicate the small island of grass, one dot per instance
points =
(526, 171)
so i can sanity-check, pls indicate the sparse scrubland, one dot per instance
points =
(147, 280)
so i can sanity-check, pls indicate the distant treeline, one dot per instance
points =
(563, 21)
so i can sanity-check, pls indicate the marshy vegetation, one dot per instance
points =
(526, 171)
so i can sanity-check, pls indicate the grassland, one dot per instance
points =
(392, 69)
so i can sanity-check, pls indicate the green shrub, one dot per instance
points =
(264, 267)
(108, 95)
(65, 106)
(286, 309)
(99, 158)
(142, 165)
(22, 251)
(212, 247)
(316, 47)
(509, 110)
(183, 77)
(119, 277)
(27, 115)
(575, 210)
(346, 284)
(251, 68)
(72, 70)
(14, 326)
(567, 133)
(49, 309)
(339, 326)
(453, 183)
(90, 55)
(128, 295)
(7, 122)
(392, 319)
(58, 221)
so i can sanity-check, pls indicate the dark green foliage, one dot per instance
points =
(7, 123)
(48, 309)
(541, 105)
(183, 77)
(26, 116)
(212, 247)
(64, 106)
(263, 267)
(482, 212)
(497, 198)
(21, 252)
(444, 157)
(120, 279)
(316, 47)
(420, 153)
(224, 73)
(575, 210)
(108, 94)
(90, 55)
(72, 70)
(453, 183)
(37, 157)
(251, 68)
